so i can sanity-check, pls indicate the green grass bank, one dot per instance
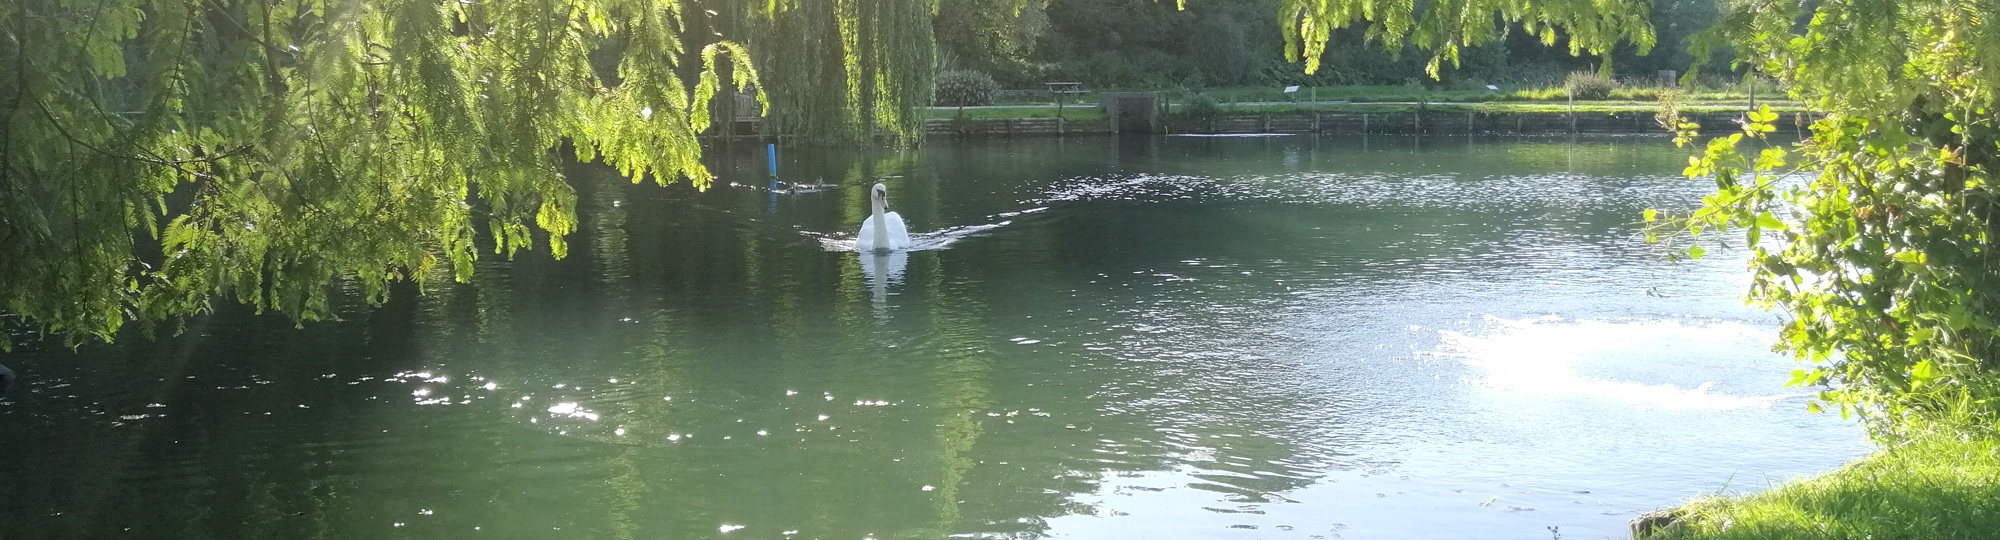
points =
(1934, 487)
(1378, 94)
(1087, 112)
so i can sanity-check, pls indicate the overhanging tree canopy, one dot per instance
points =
(157, 152)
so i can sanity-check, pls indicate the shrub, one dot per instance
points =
(1589, 85)
(1202, 106)
(958, 88)
(1197, 114)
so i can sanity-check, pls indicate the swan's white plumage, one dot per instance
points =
(898, 234)
(883, 230)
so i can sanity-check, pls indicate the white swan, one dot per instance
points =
(883, 231)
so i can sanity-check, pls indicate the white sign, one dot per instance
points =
(1291, 89)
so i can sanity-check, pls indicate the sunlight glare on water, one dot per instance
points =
(1547, 355)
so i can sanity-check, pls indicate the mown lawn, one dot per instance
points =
(1939, 487)
(1091, 112)
(1400, 94)
(1512, 107)
(1074, 112)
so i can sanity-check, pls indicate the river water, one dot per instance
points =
(1177, 337)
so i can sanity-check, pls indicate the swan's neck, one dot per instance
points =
(881, 225)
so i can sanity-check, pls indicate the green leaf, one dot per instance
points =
(1651, 215)
(1921, 335)
(1763, 115)
(1912, 257)
(1922, 372)
(1813, 406)
(1696, 251)
(1770, 158)
(1766, 220)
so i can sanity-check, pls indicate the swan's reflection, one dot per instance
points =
(883, 268)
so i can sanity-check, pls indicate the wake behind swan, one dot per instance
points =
(885, 232)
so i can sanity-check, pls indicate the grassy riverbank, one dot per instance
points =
(1934, 487)
(1091, 112)
(1396, 94)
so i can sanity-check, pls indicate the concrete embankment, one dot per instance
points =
(1424, 123)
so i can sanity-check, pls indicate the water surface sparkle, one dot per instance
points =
(1187, 337)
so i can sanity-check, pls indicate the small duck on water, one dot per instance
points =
(792, 188)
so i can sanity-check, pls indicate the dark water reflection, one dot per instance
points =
(1172, 337)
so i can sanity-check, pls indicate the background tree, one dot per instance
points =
(1157, 44)
(996, 38)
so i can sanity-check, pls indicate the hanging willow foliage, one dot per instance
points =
(158, 152)
(845, 71)
(1446, 27)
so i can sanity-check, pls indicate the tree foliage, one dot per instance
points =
(159, 152)
(1159, 43)
(1876, 234)
(997, 38)
(1446, 28)
(845, 71)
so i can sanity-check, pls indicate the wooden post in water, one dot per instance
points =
(1422, 106)
(1060, 98)
(1364, 123)
(1572, 112)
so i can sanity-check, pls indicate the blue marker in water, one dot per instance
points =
(771, 155)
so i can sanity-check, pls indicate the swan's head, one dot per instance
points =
(879, 195)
